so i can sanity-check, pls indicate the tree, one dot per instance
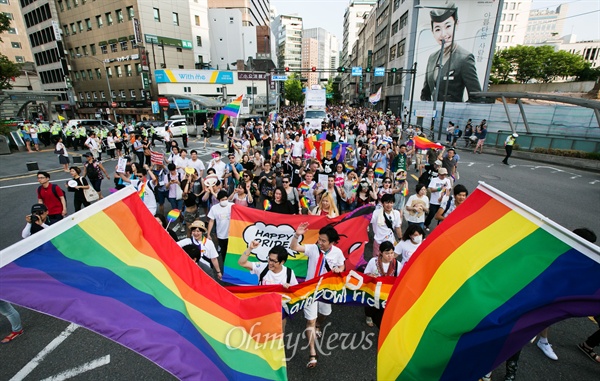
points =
(8, 69)
(293, 89)
(4, 24)
(587, 73)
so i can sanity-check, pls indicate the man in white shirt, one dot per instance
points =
(297, 146)
(322, 258)
(221, 214)
(92, 145)
(386, 222)
(218, 165)
(208, 252)
(181, 161)
(196, 163)
(437, 187)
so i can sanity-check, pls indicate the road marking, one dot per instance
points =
(594, 182)
(25, 184)
(80, 369)
(415, 177)
(31, 365)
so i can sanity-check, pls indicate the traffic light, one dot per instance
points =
(287, 69)
(368, 69)
(313, 69)
(394, 70)
(341, 69)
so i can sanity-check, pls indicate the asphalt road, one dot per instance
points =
(567, 196)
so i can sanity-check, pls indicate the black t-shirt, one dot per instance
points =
(329, 165)
(283, 208)
(294, 171)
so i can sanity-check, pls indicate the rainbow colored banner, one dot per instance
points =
(219, 120)
(325, 145)
(309, 145)
(248, 224)
(233, 109)
(424, 143)
(488, 279)
(350, 288)
(114, 270)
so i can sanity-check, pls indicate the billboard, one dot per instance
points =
(193, 76)
(464, 64)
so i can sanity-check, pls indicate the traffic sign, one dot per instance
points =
(379, 72)
(279, 77)
(114, 104)
(356, 71)
(163, 102)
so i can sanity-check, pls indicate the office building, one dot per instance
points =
(513, 23)
(545, 24)
(327, 50)
(15, 44)
(288, 36)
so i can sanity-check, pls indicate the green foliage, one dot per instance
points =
(568, 153)
(542, 63)
(8, 69)
(5, 128)
(293, 89)
(588, 73)
(4, 24)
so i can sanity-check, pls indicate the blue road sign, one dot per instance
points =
(356, 71)
(379, 72)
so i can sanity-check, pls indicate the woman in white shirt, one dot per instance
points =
(411, 240)
(417, 206)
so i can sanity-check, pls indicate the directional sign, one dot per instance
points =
(279, 77)
(356, 71)
(379, 72)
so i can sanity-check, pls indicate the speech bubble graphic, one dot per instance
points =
(269, 236)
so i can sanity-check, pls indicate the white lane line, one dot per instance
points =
(80, 369)
(36, 183)
(31, 365)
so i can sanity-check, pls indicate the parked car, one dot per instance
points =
(174, 123)
(89, 123)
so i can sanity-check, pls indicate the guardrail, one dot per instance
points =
(527, 142)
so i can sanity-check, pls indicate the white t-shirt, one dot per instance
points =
(149, 199)
(436, 182)
(219, 167)
(222, 217)
(297, 148)
(198, 165)
(381, 231)
(271, 277)
(372, 267)
(406, 249)
(206, 250)
(181, 163)
(414, 216)
(334, 257)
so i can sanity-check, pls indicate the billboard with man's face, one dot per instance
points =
(454, 46)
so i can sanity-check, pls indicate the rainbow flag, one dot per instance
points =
(488, 279)
(350, 288)
(309, 144)
(114, 270)
(325, 145)
(219, 120)
(271, 229)
(322, 136)
(424, 143)
(233, 109)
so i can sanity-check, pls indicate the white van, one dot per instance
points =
(314, 117)
(89, 123)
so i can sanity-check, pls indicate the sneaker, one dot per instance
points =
(547, 349)
(11, 337)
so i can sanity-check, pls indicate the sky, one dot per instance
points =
(329, 15)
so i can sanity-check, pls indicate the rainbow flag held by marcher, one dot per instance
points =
(248, 224)
(309, 144)
(219, 120)
(233, 109)
(424, 143)
(325, 145)
(490, 277)
(350, 288)
(114, 270)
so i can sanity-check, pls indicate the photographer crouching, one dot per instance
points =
(36, 221)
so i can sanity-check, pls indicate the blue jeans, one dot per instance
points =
(12, 315)
(175, 204)
(421, 224)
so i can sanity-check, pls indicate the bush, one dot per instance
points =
(568, 153)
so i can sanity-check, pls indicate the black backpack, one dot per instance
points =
(54, 191)
(91, 171)
(266, 270)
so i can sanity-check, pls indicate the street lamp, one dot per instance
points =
(440, 73)
(107, 82)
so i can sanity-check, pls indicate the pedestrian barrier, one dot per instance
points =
(32, 166)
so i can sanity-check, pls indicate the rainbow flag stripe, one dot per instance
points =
(233, 109)
(379, 171)
(424, 143)
(219, 120)
(114, 270)
(486, 281)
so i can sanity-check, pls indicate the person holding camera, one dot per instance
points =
(36, 221)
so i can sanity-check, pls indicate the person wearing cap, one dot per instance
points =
(461, 74)
(221, 215)
(208, 252)
(437, 187)
(36, 221)
(508, 146)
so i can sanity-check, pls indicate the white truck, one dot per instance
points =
(315, 108)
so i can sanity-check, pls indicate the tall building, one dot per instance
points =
(354, 17)
(380, 49)
(288, 37)
(254, 12)
(310, 58)
(328, 50)
(230, 39)
(15, 44)
(200, 33)
(399, 56)
(545, 24)
(513, 23)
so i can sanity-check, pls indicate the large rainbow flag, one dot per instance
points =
(487, 280)
(325, 145)
(248, 224)
(424, 143)
(233, 109)
(219, 120)
(114, 270)
(350, 288)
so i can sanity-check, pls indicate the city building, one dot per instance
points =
(200, 33)
(310, 59)
(254, 12)
(513, 23)
(230, 39)
(398, 58)
(359, 86)
(327, 50)
(380, 49)
(15, 44)
(545, 24)
(288, 36)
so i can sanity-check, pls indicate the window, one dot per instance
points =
(250, 90)
(120, 17)
(124, 45)
(132, 94)
(113, 48)
(66, 30)
(403, 20)
(93, 49)
(197, 20)
(102, 95)
(198, 40)
(401, 46)
(77, 52)
(68, 4)
(138, 69)
(113, 94)
(16, 45)
(19, 59)
(76, 75)
(109, 19)
(98, 73)
(9, 15)
(119, 71)
(175, 19)
(60, 5)
(72, 53)
(12, 31)
(133, 44)
(104, 49)
(73, 29)
(128, 71)
(83, 76)
(130, 13)
(75, 3)
(156, 13)
(90, 74)
(109, 72)
(84, 50)
(122, 93)
(99, 21)
(396, 5)
(81, 97)
(95, 95)
(395, 27)
(88, 95)
(80, 26)
(88, 24)
(393, 52)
